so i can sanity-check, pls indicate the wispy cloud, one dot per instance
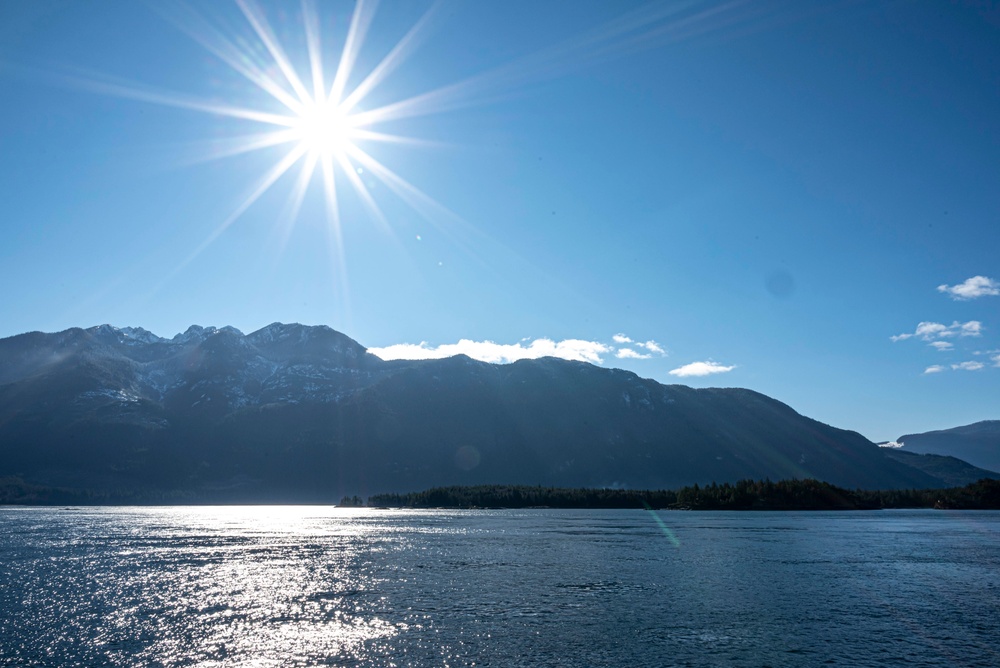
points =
(653, 347)
(996, 360)
(931, 331)
(968, 366)
(942, 345)
(700, 369)
(977, 286)
(934, 368)
(628, 353)
(499, 353)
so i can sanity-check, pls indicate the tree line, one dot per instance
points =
(743, 495)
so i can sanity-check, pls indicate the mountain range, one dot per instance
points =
(295, 413)
(978, 443)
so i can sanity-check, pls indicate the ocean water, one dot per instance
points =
(312, 586)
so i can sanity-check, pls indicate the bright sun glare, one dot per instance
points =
(322, 124)
(324, 130)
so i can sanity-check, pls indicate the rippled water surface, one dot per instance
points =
(304, 586)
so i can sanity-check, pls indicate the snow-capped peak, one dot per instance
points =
(107, 332)
(140, 335)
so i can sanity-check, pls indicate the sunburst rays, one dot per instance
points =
(308, 114)
(314, 119)
(318, 126)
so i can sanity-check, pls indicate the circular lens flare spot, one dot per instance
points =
(467, 458)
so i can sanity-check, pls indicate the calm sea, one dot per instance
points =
(306, 586)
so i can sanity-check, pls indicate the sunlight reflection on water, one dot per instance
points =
(308, 586)
(277, 584)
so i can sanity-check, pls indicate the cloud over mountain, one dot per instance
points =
(577, 350)
(498, 353)
(700, 369)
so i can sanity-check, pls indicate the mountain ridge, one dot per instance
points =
(977, 443)
(297, 413)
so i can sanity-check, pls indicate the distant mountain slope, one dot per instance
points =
(955, 472)
(297, 413)
(978, 443)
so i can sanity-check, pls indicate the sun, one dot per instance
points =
(313, 110)
(324, 130)
(309, 106)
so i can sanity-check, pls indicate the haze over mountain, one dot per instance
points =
(300, 413)
(978, 443)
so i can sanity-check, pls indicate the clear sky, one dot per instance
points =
(801, 198)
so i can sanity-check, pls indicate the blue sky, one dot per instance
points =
(798, 198)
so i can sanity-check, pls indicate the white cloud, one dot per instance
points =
(700, 369)
(930, 331)
(890, 444)
(971, 328)
(498, 353)
(993, 355)
(968, 366)
(653, 347)
(977, 286)
(628, 353)
(942, 345)
(934, 368)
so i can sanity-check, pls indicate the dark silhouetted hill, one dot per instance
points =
(298, 413)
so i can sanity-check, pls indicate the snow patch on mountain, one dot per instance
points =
(216, 367)
(121, 396)
(138, 335)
